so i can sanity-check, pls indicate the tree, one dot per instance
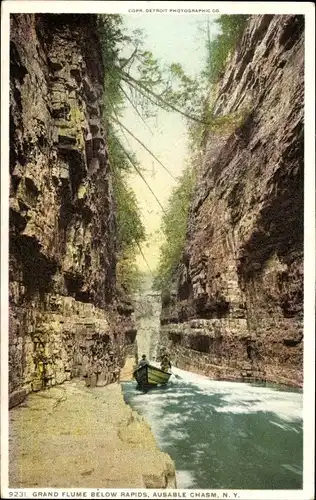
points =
(174, 223)
(174, 226)
(218, 50)
(134, 76)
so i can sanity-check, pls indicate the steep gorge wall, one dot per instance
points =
(238, 307)
(66, 318)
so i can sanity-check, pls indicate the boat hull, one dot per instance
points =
(150, 376)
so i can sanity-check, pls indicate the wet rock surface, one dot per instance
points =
(66, 318)
(237, 309)
(72, 436)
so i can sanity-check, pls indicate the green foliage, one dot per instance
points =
(218, 50)
(130, 232)
(128, 275)
(140, 78)
(134, 75)
(174, 225)
(218, 125)
(217, 54)
(196, 98)
(130, 229)
(110, 29)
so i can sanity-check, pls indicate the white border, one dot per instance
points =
(305, 8)
(309, 258)
(125, 7)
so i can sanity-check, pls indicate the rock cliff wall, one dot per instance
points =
(65, 315)
(238, 308)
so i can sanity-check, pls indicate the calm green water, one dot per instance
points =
(226, 435)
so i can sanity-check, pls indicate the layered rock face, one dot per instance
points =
(238, 306)
(65, 315)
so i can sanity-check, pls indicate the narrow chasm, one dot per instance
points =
(156, 228)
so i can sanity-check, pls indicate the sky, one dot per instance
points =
(171, 39)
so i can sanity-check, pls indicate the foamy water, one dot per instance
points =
(225, 434)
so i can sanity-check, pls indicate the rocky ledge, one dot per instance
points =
(72, 436)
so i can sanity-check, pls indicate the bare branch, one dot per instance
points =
(141, 252)
(143, 145)
(128, 78)
(136, 110)
(139, 173)
(130, 58)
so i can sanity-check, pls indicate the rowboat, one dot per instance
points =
(150, 376)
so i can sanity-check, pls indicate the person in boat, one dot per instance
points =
(162, 353)
(165, 363)
(143, 361)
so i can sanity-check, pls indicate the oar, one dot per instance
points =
(177, 376)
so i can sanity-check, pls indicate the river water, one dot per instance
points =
(226, 435)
